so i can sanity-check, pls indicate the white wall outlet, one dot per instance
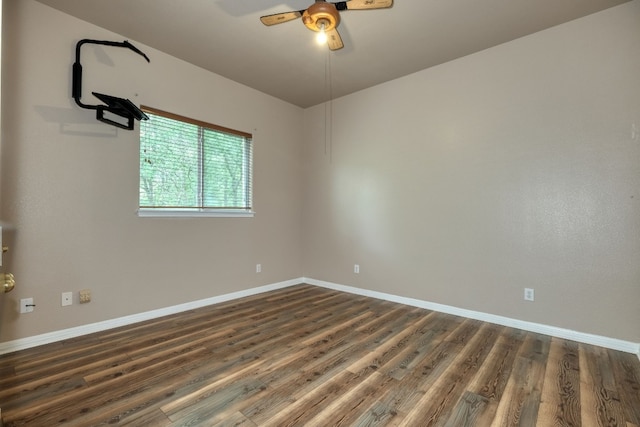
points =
(66, 299)
(258, 268)
(528, 294)
(26, 305)
(356, 268)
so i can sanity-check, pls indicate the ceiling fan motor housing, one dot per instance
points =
(321, 14)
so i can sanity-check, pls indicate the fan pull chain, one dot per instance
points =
(328, 109)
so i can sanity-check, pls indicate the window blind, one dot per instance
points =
(186, 164)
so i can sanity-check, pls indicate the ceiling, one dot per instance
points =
(227, 37)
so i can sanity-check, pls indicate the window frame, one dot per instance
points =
(197, 211)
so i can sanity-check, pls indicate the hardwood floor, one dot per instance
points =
(309, 356)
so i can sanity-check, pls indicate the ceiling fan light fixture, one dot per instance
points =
(321, 14)
(321, 38)
(323, 17)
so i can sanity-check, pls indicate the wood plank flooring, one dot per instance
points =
(309, 356)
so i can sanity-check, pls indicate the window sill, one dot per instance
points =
(194, 213)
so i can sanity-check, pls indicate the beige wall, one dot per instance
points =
(69, 183)
(462, 184)
(514, 167)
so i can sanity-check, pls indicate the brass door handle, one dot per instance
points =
(8, 282)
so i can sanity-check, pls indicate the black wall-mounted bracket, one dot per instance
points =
(112, 104)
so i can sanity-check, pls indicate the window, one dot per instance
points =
(192, 168)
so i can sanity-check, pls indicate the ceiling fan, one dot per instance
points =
(324, 17)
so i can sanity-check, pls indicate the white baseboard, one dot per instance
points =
(612, 343)
(34, 341)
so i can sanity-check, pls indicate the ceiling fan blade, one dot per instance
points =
(279, 18)
(334, 40)
(363, 4)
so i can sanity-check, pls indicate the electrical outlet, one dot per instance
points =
(258, 268)
(66, 298)
(85, 296)
(26, 305)
(528, 294)
(356, 268)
